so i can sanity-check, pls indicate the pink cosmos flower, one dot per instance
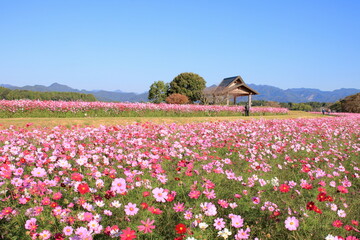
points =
(131, 209)
(88, 216)
(208, 208)
(57, 196)
(242, 234)
(219, 223)
(45, 235)
(188, 215)
(209, 194)
(237, 221)
(68, 230)
(118, 186)
(31, 224)
(81, 231)
(160, 194)
(223, 203)
(256, 200)
(38, 172)
(46, 201)
(179, 207)
(147, 226)
(291, 223)
(194, 194)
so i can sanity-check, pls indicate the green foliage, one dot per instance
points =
(4, 92)
(158, 92)
(301, 107)
(336, 107)
(351, 103)
(188, 84)
(17, 94)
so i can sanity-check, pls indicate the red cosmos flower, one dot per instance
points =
(354, 222)
(170, 198)
(337, 223)
(53, 205)
(305, 169)
(7, 211)
(83, 188)
(321, 197)
(342, 189)
(81, 201)
(348, 227)
(59, 236)
(144, 205)
(77, 177)
(277, 213)
(180, 228)
(317, 210)
(329, 198)
(109, 194)
(284, 188)
(70, 220)
(307, 186)
(310, 206)
(322, 190)
(155, 210)
(127, 234)
(146, 193)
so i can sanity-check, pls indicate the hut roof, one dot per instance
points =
(234, 86)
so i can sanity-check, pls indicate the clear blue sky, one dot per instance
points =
(128, 45)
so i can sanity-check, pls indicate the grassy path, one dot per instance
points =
(51, 122)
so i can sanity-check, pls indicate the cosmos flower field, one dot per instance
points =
(253, 179)
(33, 108)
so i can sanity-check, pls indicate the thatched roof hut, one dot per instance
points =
(235, 87)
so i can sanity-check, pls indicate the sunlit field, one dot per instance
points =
(293, 176)
(108, 121)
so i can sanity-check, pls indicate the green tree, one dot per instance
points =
(188, 84)
(4, 92)
(336, 107)
(351, 103)
(301, 107)
(158, 92)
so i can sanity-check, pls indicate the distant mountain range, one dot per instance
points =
(101, 95)
(268, 93)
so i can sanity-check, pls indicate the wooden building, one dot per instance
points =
(234, 87)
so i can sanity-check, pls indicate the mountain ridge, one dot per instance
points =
(267, 92)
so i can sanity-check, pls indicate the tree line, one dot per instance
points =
(17, 94)
(184, 88)
(189, 88)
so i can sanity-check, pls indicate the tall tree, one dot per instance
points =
(188, 84)
(158, 92)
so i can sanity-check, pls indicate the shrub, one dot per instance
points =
(177, 98)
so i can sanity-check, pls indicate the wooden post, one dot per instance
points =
(249, 101)
(234, 100)
(227, 99)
